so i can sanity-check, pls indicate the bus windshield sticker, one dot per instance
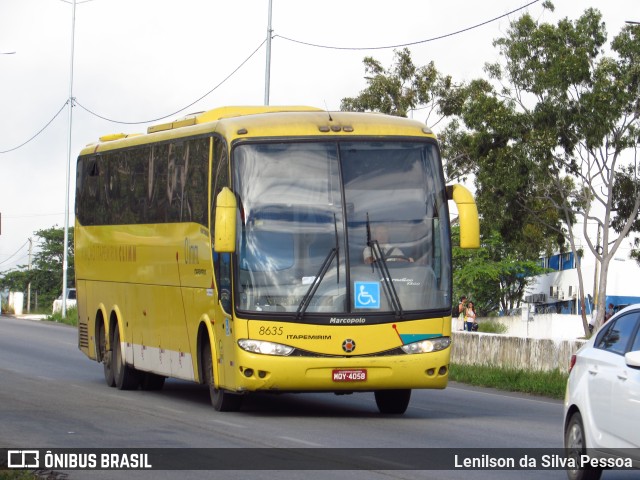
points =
(367, 295)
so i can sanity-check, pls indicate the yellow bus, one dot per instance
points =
(269, 249)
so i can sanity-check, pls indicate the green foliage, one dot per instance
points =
(15, 280)
(542, 135)
(492, 326)
(46, 269)
(625, 188)
(47, 264)
(545, 134)
(549, 384)
(492, 276)
(400, 89)
(18, 475)
(70, 319)
(513, 235)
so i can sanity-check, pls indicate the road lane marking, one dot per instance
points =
(227, 424)
(298, 440)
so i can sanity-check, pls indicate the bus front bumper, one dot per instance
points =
(256, 372)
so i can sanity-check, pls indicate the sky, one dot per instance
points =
(136, 62)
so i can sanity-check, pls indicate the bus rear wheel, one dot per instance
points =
(126, 377)
(393, 401)
(222, 400)
(106, 357)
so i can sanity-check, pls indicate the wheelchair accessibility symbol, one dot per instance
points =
(367, 295)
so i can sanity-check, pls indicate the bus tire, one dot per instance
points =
(151, 381)
(106, 356)
(393, 401)
(222, 400)
(126, 377)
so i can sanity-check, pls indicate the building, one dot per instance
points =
(557, 291)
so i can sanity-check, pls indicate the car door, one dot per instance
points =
(609, 380)
(625, 401)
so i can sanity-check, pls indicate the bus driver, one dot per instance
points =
(391, 253)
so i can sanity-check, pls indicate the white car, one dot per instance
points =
(71, 301)
(602, 401)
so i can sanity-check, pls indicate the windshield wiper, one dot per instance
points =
(381, 262)
(311, 291)
(335, 229)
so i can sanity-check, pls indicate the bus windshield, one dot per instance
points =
(342, 227)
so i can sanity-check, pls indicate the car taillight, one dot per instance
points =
(572, 362)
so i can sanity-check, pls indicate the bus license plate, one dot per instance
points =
(359, 375)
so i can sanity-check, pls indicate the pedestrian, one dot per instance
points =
(608, 314)
(462, 307)
(470, 317)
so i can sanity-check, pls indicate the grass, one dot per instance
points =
(70, 319)
(548, 384)
(18, 475)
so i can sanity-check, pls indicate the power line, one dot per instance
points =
(140, 122)
(411, 43)
(15, 253)
(248, 58)
(39, 131)
(183, 108)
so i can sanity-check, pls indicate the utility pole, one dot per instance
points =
(29, 284)
(65, 250)
(267, 74)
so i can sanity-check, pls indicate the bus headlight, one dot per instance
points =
(426, 346)
(265, 348)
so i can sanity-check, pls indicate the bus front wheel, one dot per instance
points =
(393, 401)
(222, 400)
(126, 377)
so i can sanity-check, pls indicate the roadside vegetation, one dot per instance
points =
(70, 319)
(44, 276)
(547, 384)
(18, 475)
(28, 474)
(492, 326)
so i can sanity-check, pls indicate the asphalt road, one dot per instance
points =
(52, 396)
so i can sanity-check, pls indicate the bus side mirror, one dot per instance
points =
(225, 227)
(467, 214)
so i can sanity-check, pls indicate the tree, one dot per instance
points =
(47, 262)
(492, 276)
(402, 88)
(45, 275)
(405, 87)
(568, 113)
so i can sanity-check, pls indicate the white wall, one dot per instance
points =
(536, 354)
(552, 326)
(16, 302)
